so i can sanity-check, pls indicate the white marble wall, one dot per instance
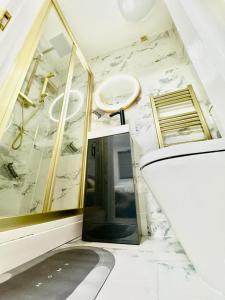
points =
(161, 65)
(201, 25)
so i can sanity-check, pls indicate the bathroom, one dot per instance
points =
(50, 111)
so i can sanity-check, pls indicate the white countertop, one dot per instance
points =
(108, 131)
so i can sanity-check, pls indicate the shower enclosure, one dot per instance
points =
(43, 126)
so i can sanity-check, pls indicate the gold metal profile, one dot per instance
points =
(172, 101)
(157, 126)
(171, 144)
(199, 112)
(180, 126)
(179, 122)
(173, 94)
(182, 121)
(85, 140)
(180, 116)
(9, 223)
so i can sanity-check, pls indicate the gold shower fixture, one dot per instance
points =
(25, 101)
(37, 60)
(44, 93)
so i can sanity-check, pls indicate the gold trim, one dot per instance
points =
(177, 117)
(176, 96)
(157, 126)
(180, 126)
(85, 145)
(172, 101)
(204, 125)
(59, 137)
(192, 141)
(9, 223)
(177, 122)
(170, 93)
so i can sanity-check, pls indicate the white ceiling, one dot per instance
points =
(100, 27)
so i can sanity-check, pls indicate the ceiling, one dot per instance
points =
(100, 28)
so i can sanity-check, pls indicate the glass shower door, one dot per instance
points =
(27, 144)
(68, 176)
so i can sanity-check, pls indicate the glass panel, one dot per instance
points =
(26, 146)
(67, 185)
(109, 202)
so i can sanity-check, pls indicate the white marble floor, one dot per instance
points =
(155, 270)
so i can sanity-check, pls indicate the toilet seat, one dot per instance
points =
(188, 149)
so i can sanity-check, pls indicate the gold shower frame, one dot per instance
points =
(9, 92)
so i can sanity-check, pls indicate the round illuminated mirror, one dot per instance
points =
(76, 101)
(117, 92)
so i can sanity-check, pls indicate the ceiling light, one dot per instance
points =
(135, 10)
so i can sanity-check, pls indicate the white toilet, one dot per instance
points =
(188, 181)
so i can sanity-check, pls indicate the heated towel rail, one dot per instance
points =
(179, 113)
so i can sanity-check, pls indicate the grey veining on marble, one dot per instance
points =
(161, 65)
(157, 269)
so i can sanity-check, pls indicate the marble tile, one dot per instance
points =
(157, 269)
(161, 65)
(180, 281)
(132, 281)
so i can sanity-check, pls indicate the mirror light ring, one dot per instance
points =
(127, 103)
(81, 102)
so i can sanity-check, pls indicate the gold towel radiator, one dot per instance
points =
(180, 121)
